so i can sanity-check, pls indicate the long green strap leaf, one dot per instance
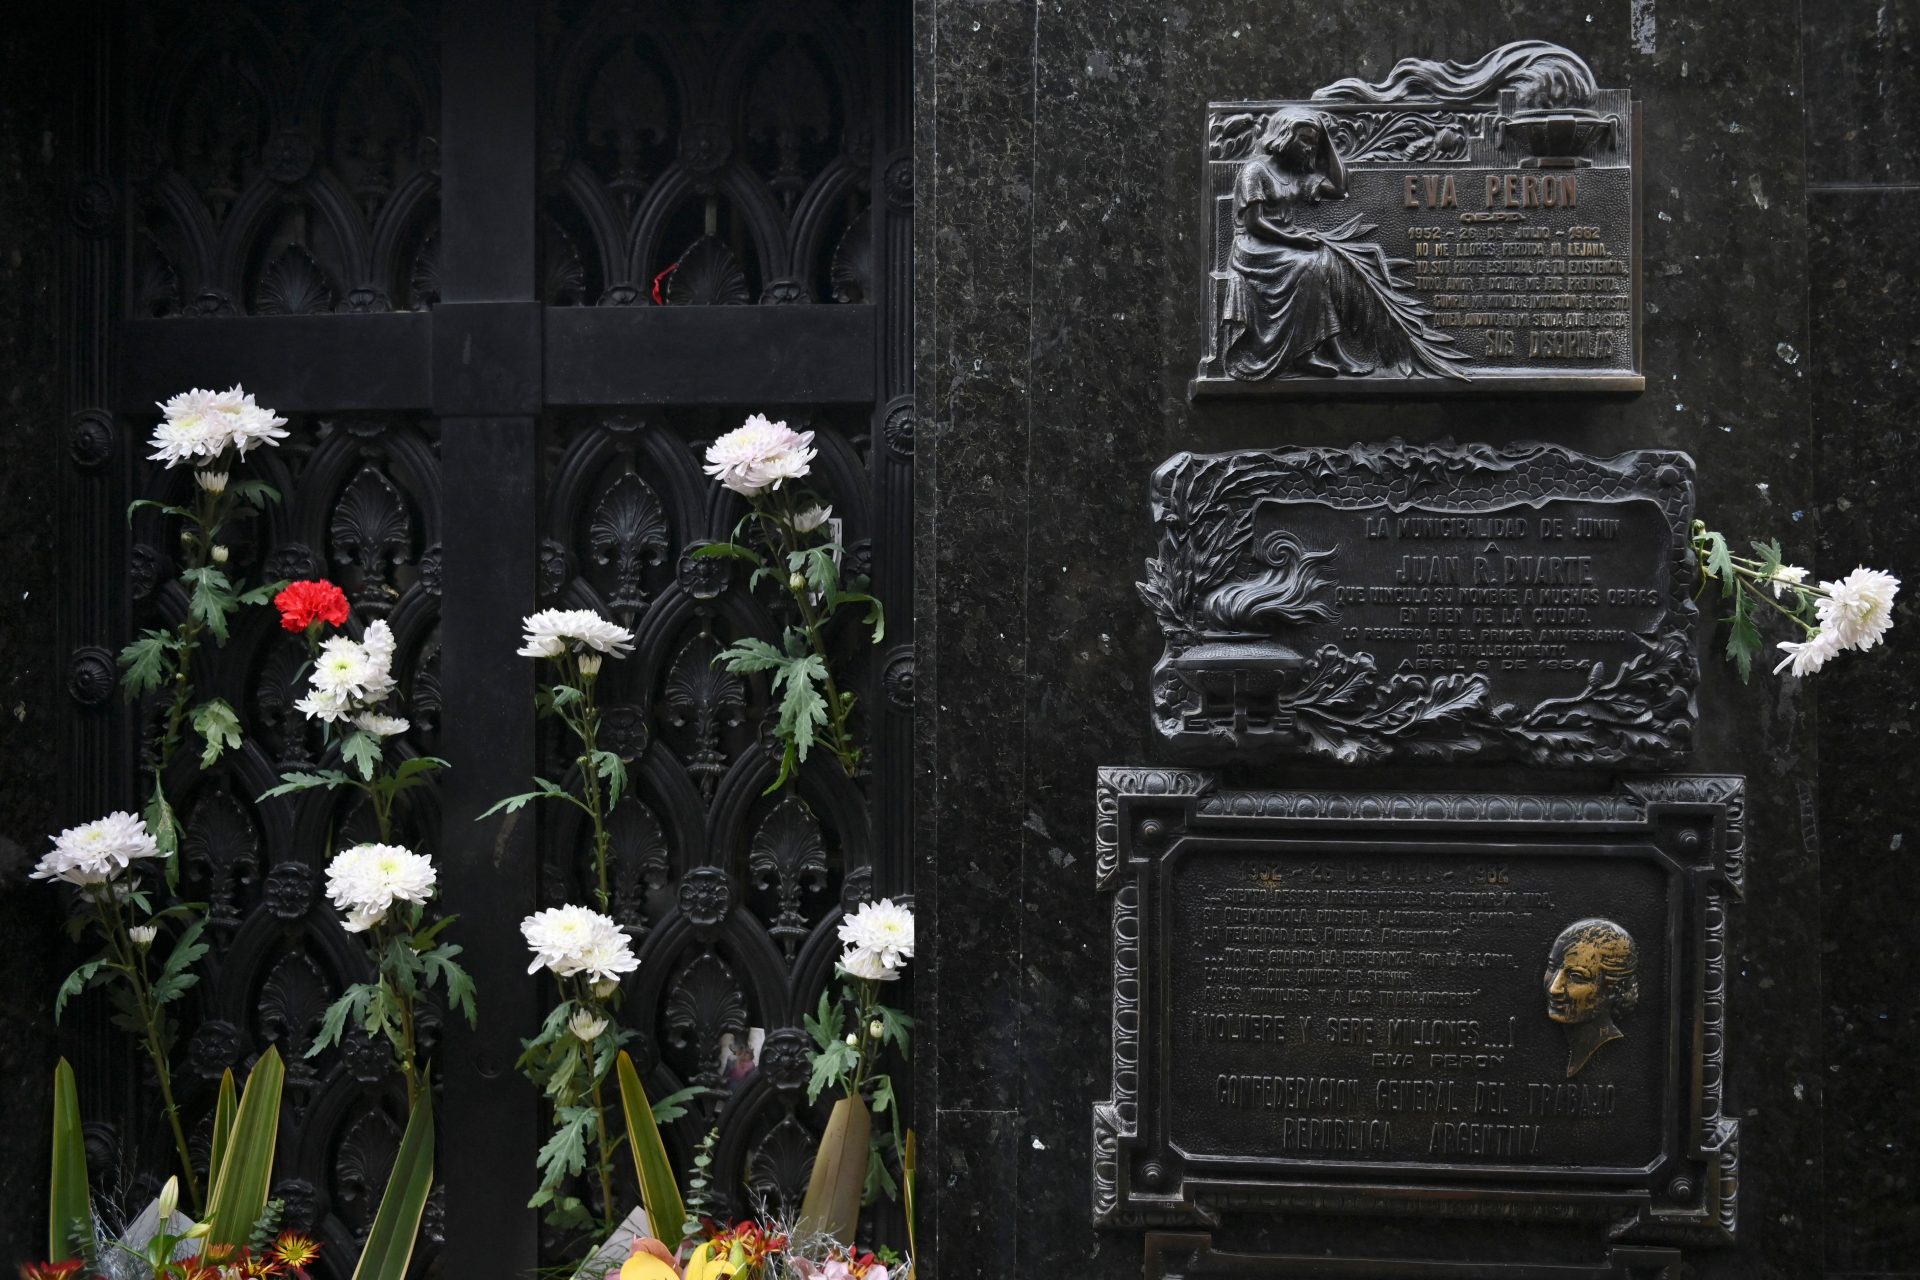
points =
(223, 1113)
(69, 1207)
(390, 1240)
(246, 1167)
(909, 1170)
(659, 1193)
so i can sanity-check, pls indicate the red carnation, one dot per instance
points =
(303, 604)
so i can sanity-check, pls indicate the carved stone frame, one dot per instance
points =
(1193, 1257)
(1692, 825)
(1204, 507)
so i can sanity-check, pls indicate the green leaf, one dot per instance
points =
(241, 1193)
(727, 551)
(1743, 638)
(1771, 557)
(823, 575)
(264, 593)
(415, 766)
(441, 968)
(212, 599)
(831, 1066)
(674, 1105)
(750, 654)
(659, 1193)
(876, 614)
(882, 1094)
(362, 750)
(565, 1153)
(802, 708)
(77, 981)
(513, 804)
(333, 1024)
(254, 492)
(224, 1110)
(292, 782)
(218, 727)
(1719, 559)
(138, 503)
(613, 769)
(164, 826)
(146, 663)
(69, 1206)
(389, 1247)
(894, 1026)
(174, 977)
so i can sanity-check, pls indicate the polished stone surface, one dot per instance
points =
(1060, 165)
(1866, 404)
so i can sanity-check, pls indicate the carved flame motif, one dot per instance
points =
(707, 275)
(638, 864)
(293, 1001)
(628, 532)
(293, 285)
(367, 1153)
(708, 698)
(372, 534)
(787, 855)
(1296, 588)
(704, 1003)
(778, 1167)
(223, 850)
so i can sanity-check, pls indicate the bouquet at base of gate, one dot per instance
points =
(760, 1251)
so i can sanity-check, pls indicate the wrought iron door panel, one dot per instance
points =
(322, 201)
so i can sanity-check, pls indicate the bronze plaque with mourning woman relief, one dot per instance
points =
(1454, 227)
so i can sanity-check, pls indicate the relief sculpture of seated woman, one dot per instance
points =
(1307, 302)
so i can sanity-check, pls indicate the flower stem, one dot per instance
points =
(133, 964)
(587, 727)
(605, 1170)
(838, 708)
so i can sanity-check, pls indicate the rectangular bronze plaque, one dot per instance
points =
(1395, 602)
(1455, 227)
(1446, 1003)
(1193, 1257)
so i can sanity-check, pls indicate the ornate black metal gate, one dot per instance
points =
(507, 265)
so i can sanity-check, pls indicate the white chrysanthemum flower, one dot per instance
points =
(191, 430)
(97, 852)
(143, 935)
(367, 880)
(884, 928)
(609, 955)
(329, 705)
(551, 632)
(862, 963)
(585, 1026)
(247, 424)
(1807, 656)
(211, 481)
(379, 724)
(343, 667)
(812, 518)
(574, 940)
(759, 455)
(1785, 578)
(1858, 609)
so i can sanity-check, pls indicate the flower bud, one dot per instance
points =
(876, 1029)
(143, 935)
(797, 582)
(169, 1200)
(199, 1231)
(220, 553)
(590, 664)
(853, 1041)
(585, 1026)
(211, 481)
(604, 989)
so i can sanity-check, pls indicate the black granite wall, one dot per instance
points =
(1058, 177)
(32, 435)
(1863, 213)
